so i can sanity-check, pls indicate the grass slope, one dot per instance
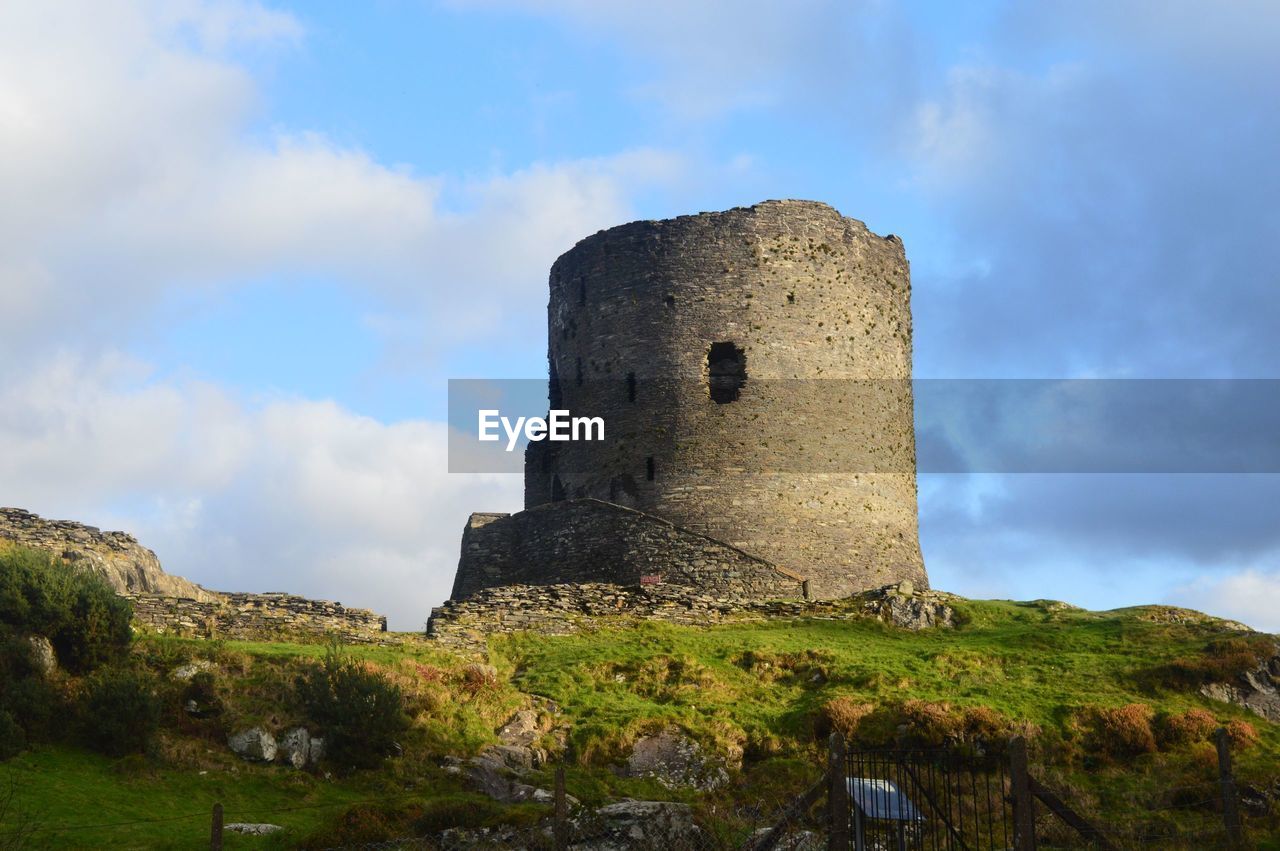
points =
(755, 688)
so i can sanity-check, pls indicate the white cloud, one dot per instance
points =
(283, 494)
(1248, 596)
(128, 171)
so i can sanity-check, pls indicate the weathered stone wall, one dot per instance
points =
(128, 566)
(256, 616)
(565, 609)
(588, 540)
(812, 468)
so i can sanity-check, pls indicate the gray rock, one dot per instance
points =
(295, 747)
(521, 730)
(189, 670)
(316, 752)
(637, 824)
(1257, 690)
(673, 759)
(249, 829)
(254, 744)
(42, 654)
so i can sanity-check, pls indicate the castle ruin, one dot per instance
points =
(753, 367)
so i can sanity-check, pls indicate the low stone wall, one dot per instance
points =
(257, 616)
(591, 541)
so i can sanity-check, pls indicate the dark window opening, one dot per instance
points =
(671, 301)
(579, 372)
(613, 489)
(649, 468)
(557, 489)
(582, 291)
(726, 372)
(791, 298)
(631, 386)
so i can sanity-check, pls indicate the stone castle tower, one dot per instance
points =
(753, 369)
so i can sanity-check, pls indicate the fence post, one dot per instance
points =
(1227, 780)
(560, 828)
(1024, 814)
(215, 830)
(837, 795)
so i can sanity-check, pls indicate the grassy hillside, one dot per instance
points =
(768, 693)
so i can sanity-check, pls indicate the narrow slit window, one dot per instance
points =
(557, 489)
(726, 372)
(649, 468)
(631, 386)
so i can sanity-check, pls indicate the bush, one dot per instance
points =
(120, 711)
(72, 606)
(360, 713)
(1121, 731)
(842, 715)
(1194, 725)
(1242, 734)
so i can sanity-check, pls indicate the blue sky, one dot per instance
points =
(243, 246)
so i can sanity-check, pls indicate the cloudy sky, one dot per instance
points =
(243, 246)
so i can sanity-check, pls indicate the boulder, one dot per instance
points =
(182, 673)
(254, 744)
(295, 747)
(673, 759)
(316, 752)
(43, 656)
(637, 824)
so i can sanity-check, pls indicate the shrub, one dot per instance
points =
(1194, 725)
(359, 711)
(1242, 734)
(1121, 731)
(72, 606)
(120, 711)
(843, 715)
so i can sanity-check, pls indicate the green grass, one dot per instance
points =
(758, 687)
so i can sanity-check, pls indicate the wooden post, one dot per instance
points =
(1024, 813)
(837, 795)
(1227, 780)
(560, 827)
(215, 831)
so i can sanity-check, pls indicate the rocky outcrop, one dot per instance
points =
(673, 759)
(254, 744)
(118, 557)
(1257, 690)
(906, 608)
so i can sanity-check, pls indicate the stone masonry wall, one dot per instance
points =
(257, 616)
(466, 625)
(812, 467)
(588, 540)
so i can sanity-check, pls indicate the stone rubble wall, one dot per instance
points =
(591, 541)
(466, 625)
(257, 616)
(129, 567)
